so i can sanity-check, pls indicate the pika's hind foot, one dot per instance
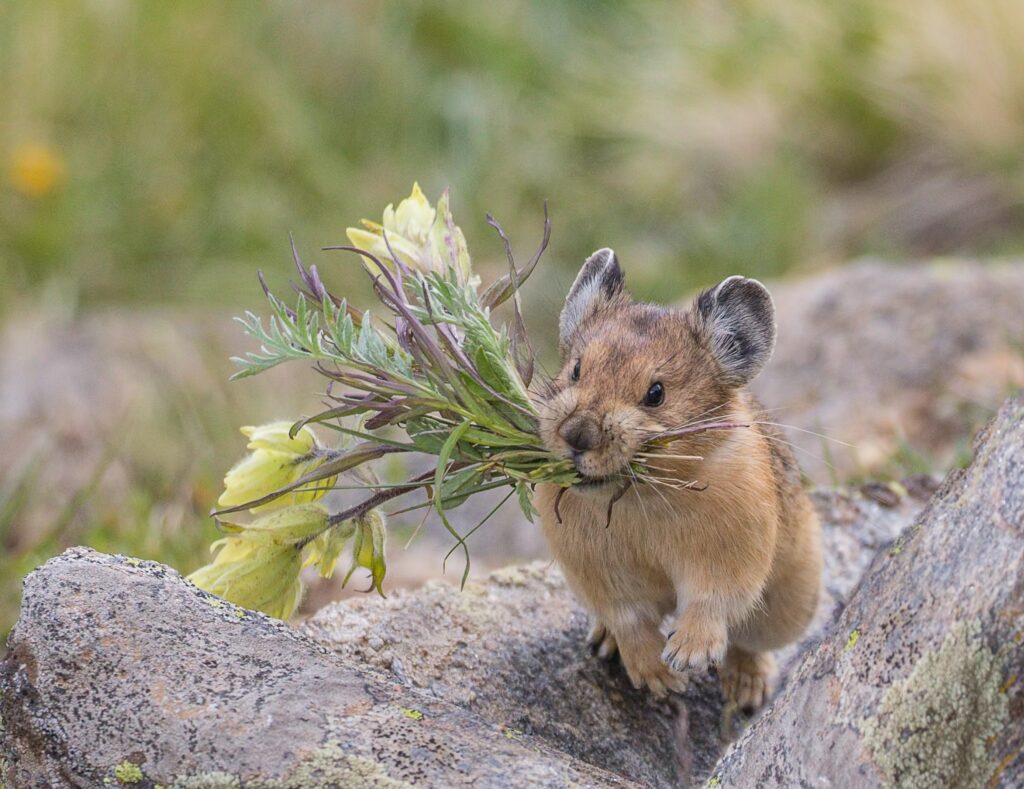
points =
(747, 678)
(602, 641)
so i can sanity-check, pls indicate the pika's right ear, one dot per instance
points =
(737, 322)
(598, 284)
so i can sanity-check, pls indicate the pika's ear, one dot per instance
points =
(737, 321)
(598, 284)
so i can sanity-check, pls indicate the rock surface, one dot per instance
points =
(902, 362)
(120, 669)
(919, 684)
(117, 663)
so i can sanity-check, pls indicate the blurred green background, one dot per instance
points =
(156, 154)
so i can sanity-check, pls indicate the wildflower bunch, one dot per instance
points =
(431, 375)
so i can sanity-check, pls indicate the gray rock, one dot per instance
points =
(918, 684)
(894, 358)
(120, 662)
(121, 670)
(513, 650)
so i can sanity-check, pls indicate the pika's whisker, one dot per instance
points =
(668, 456)
(798, 448)
(633, 484)
(655, 489)
(805, 430)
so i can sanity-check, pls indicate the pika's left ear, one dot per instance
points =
(598, 285)
(737, 320)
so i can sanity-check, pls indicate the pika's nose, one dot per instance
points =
(580, 433)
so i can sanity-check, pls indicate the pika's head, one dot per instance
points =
(632, 371)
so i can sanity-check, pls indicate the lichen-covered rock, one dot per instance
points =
(119, 669)
(120, 672)
(919, 683)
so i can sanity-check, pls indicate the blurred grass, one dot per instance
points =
(158, 153)
(699, 138)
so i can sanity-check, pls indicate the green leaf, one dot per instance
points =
(525, 497)
(459, 486)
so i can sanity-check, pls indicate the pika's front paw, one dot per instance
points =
(695, 647)
(602, 641)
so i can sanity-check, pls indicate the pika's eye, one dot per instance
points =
(575, 374)
(655, 395)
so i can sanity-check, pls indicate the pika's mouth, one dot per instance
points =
(592, 484)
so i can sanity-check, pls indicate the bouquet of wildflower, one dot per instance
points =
(430, 374)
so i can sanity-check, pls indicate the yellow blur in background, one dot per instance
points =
(35, 170)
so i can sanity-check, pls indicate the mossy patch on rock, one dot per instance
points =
(128, 772)
(933, 728)
(328, 765)
(210, 780)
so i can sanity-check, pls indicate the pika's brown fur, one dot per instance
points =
(736, 558)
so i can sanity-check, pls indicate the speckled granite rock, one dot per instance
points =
(919, 683)
(512, 650)
(120, 662)
(118, 670)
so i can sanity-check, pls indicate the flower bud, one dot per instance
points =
(424, 238)
(368, 548)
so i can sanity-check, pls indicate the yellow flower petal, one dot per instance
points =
(257, 475)
(276, 461)
(275, 436)
(264, 577)
(289, 525)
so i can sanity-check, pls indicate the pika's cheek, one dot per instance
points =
(623, 439)
(552, 414)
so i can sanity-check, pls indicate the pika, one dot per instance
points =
(717, 530)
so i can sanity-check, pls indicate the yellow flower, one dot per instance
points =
(35, 170)
(413, 218)
(276, 461)
(276, 436)
(423, 237)
(257, 566)
(286, 526)
(262, 577)
(368, 548)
